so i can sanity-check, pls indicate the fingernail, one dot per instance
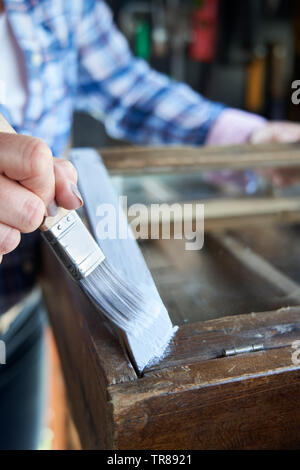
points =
(75, 191)
(52, 209)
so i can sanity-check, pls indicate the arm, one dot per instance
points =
(134, 102)
(143, 106)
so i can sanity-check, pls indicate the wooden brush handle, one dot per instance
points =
(49, 221)
(5, 127)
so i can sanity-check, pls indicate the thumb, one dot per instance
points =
(67, 194)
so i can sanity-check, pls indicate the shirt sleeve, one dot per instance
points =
(135, 102)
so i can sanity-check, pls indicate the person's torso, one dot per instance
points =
(44, 33)
(12, 72)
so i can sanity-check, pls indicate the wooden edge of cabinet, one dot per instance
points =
(245, 402)
(155, 159)
(202, 341)
(113, 408)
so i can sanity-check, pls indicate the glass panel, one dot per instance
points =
(168, 188)
(211, 283)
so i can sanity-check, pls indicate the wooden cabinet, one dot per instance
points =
(231, 378)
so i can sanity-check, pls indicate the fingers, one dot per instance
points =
(9, 239)
(277, 131)
(20, 208)
(29, 161)
(66, 191)
(30, 180)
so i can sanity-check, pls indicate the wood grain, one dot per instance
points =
(156, 159)
(202, 341)
(245, 402)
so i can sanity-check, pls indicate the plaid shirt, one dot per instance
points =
(77, 59)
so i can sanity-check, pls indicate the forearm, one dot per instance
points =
(163, 112)
(135, 102)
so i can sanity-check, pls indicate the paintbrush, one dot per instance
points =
(74, 246)
(141, 316)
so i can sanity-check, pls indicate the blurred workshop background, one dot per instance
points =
(244, 54)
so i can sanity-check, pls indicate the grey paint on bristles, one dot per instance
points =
(122, 285)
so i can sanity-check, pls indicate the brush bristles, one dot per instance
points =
(131, 308)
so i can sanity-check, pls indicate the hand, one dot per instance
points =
(279, 131)
(30, 180)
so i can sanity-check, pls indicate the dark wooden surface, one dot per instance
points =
(193, 398)
(246, 402)
(202, 341)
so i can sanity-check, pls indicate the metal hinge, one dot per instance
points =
(242, 350)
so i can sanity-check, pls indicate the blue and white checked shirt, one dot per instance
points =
(76, 59)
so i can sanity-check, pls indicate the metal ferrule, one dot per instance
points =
(74, 246)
